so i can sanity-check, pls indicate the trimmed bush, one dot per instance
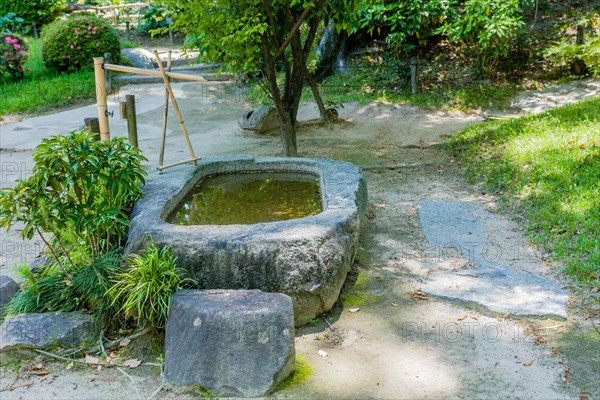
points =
(40, 11)
(70, 44)
(13, 54)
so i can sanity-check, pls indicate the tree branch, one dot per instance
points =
(292, 33)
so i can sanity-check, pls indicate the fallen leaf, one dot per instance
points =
(70, 365)
(113, 355)
(507, 315)
(37, 366)
(527, 363)
(322, 353)
(42, 372)
(463, 317)
(353, 310)
(132, 363)
(124, 342)
(99, 367)
(379, 205)
(419, 294)
(91, 359)
(396, 305)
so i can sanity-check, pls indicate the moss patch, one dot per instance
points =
(300, 375)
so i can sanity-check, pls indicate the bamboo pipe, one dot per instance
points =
(175, 105)
(142, 71)
(101, 98)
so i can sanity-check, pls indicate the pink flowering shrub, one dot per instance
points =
(70, 44)
(13, 55)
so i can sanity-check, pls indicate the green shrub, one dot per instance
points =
(70, 44)
(77, 196)
(146, 287)
(155, 21)
(40, 12)
(14, 54)
(565, 55)
(10, 22)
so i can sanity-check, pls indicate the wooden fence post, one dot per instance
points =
(131, 120)
(94, 126)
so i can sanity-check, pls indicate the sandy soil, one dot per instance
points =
(400, 343)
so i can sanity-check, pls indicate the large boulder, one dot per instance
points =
(8, 288)
(259, 119)
(231, 342)
(30, 331)
(140, 58)
(305, 258)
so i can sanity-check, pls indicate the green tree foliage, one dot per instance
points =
(410, 23)
(488, 25)
(70, 44)
(40, 12)
(265, 37)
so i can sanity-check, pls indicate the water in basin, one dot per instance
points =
(249, 198)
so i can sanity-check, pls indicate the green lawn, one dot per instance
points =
(42, 90)
(547, 169)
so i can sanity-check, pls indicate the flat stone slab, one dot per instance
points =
(8, 288)
(306, 258)
(30, 331)
(231, 342)
(493, 278)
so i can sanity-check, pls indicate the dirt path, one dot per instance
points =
(389, 338)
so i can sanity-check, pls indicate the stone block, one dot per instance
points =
(231, 342)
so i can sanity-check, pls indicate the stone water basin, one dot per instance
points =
(305, 257)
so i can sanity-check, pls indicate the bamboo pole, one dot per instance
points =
(179, 163)
(161, 157)
(142, 71)
(101, 99)
(175, 105)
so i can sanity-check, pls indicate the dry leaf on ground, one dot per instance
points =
(132, 363)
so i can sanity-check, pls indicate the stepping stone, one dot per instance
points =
(462, 230)
(27, 331)
(232, 342)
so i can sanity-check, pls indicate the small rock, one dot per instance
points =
(8, 288)
(232, 342)
(140, 58)
(38, 265)
(259, 119)
(47, 329)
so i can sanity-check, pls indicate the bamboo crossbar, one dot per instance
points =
(191, 160)
(117, 6)
(142, 71)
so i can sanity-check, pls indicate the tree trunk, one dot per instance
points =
(287, 130)
(315, 91)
